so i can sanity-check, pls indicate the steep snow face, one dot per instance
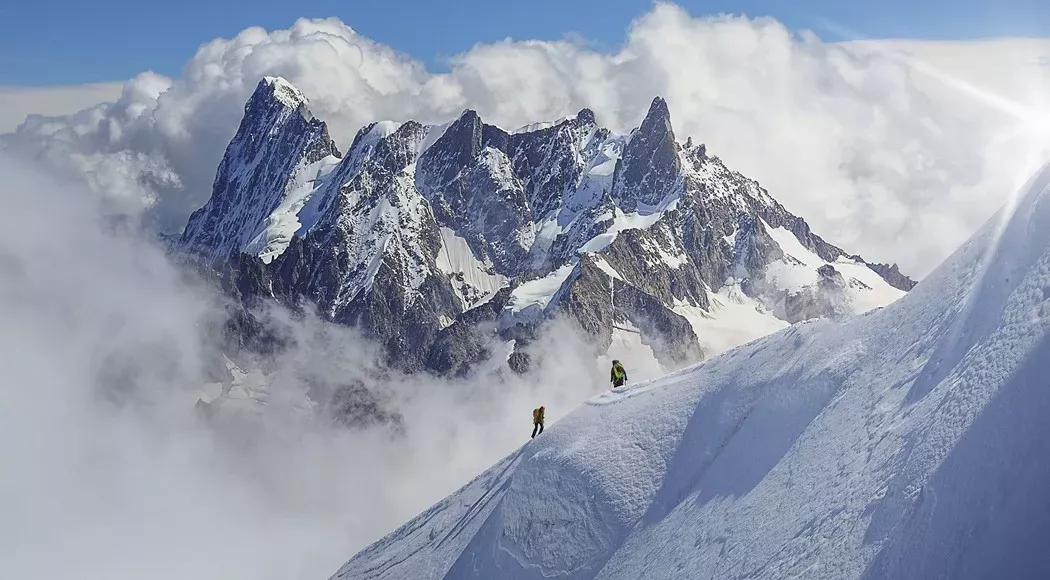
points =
(293, 215)
(473, 281)
(906, 443)
(532, 298)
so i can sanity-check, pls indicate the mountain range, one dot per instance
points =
(453, 243)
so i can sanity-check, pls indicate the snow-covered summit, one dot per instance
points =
(420, 227)
(910, 442)
(286, 92)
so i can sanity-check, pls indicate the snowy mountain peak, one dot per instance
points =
(283, 91)
(265, 177)
(586, 117)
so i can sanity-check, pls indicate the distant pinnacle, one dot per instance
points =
(658, 119)
(658, 110)
(468, 116)
(585, 116)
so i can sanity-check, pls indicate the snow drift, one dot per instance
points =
(907, 442)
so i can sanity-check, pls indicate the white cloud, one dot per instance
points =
(878, 155)
(17, 102)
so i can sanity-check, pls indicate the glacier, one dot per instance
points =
(909, 441)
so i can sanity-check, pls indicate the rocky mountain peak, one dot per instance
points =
(456, 148)
(278, 138)
(585, 117)
(658, 118)
(398, 150)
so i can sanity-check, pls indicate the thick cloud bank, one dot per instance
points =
(110, 473)
(17, 102)
(882, 154)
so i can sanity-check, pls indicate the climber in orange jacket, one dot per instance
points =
(537, 420)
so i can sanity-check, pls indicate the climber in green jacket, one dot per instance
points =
(618, 375)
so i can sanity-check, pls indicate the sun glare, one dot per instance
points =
(1041, 128)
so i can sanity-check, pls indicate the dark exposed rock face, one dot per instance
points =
(828, 296)
(473, 190)
(354, 405)
(892, 275)
(434, 239)
(650, 165)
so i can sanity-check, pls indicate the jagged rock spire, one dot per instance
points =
(649, 168)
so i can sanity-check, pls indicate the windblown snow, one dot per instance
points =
(909, 442)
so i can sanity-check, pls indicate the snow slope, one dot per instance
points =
(800, 270)
(733, 319)
(294, 214)
(532, 297)
(909, 442)
(473, 281)
(636, 220)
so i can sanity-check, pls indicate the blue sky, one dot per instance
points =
(72, 41)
